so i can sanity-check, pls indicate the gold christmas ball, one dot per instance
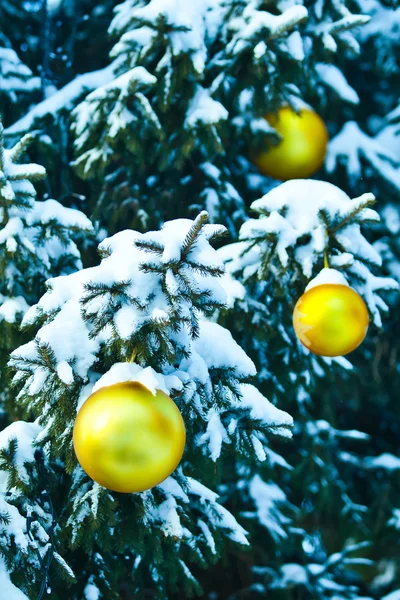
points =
(331, 319)
(301, 152)
(128, 440)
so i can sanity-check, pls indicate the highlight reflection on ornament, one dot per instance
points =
(331, 319)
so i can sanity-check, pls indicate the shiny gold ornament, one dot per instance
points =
(302, 149)
(331, 319)
(128, 440)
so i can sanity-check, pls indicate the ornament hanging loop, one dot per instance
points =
(326, 253)
(326, 259)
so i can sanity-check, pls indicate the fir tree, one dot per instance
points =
(150, 296)
(36, 242)
(302, 226)
(164, 126)
(17, 82)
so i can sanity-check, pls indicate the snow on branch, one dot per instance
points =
(254, 22)
(332, 77)
(16, 181)
(107, 117)
(149, 297)
(298, 222)
(36, 238)
(183, 26)
(25, 519)
(64, 98)
(150, 294)
(15, 76)
(205, 109)
(320, 578)
(353, 148)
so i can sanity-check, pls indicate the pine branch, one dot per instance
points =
(92, 290)
(5, 518)
(45, 563)
(346, 23)
(152, 268)
(149, 246)
(337, 558)
(21, 147)
(48, 357)
(1, 147)
(39, 175)
(288, 20)
(193, 233)
(206, 270)
(369, 201)
(219, 233)
(104, 252)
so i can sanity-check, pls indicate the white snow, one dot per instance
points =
(152, 380)
(303, 199)
(391, 218)
(293, 211)
(262, 409)
(331, 76)
(38, 379)
(395, 520)
(37, 238)
(219, 350)
(383, 461)
(167, 513)
(204, 109)
(16, 178)
(64, 98)
(292, 573)
(384, 23)
(122, 83)
(189, 17)
(11, 309)
(15, 76)
(295, 45)
(214, 436)
(267, 498)
(369, 285)
(392, 596)
(253, 21)
(327, 276)
(76, 345)
(301, 202)
(65, 373)
(92, 592)
(171, 487)
(25, 434)
(51, 211)
(217, 514)
(351, 145)
(64, 565)
(53, 5)
(234, 290)
(208, 535)
(8, 589)
(394, 115)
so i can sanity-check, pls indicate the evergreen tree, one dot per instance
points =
(36, 242)
(17, 82)
(302, 225)
(213, 69)
(160, 119)
(149, 296)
